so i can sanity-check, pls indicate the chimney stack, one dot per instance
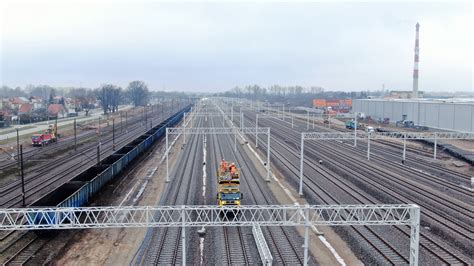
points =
(417, 60)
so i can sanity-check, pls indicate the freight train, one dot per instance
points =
(79, 190)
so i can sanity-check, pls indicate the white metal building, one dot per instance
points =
(443, 114)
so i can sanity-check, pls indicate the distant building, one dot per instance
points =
(4, 104)
(25, 108)
(403, 95)
(25, 112)
(57, 110)
(339, 105)
(5, 119)
(16, 102)
(37, 102)
(446, 114)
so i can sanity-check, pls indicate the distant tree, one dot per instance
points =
(52, 94)
(6, 91)
(83, 97)
(42, 91)
(115, 95)
(104, 96)
(39, 114)
(77, 92)
(137, 92)
(61, 101)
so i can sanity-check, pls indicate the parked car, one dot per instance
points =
(370, 129)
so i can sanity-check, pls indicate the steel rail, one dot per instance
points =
(123, 140)
(427, 237)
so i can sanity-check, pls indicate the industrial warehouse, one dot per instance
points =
(457, 115)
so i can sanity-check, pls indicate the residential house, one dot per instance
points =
(37, 102)
(16, 102)
(25, 108)
(56, 110)
(4, 103)
(25, 113)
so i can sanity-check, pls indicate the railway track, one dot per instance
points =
(390, 172)
(438, 250)
(163, 245)
(236, 247)
(32, 152)
(417, 158)
(285, 246)
(106, 137)
(27, 251)
(35, 183)
(19, 247)
(428, 180)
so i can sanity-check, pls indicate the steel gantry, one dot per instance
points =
(255, 109)
(377, 135)
(206, 215)
(435, 136)
(218, 131)
(262, 247)
(191, 116)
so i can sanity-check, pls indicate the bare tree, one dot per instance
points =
(109, 97)
(42, 91)
(52, 94)
(137, 92)
(115, 95)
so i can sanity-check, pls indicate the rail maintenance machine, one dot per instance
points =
(228, 185)
(49, 136)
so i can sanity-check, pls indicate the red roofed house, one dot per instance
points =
(25, 108)
(24, 112)
(57, 110)
(16, 102)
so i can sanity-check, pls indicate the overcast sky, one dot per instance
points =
(211, 46)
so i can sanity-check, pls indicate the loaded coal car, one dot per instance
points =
(78, 191)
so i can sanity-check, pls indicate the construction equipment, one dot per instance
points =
(50, 135)
(228, 185)
(385, 121)
(404, 122)
(410, 124)
(351, 124)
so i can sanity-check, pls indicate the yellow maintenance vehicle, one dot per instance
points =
(228, 185)
(50, 135)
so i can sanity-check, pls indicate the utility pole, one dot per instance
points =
(75, 136)
(126, 122)
(22, 177)
(98, 155)
(355, 129)
(113, 134)
(56, 129)
(98, 132)
(144, 112)
(18, 146)
(121, 121)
